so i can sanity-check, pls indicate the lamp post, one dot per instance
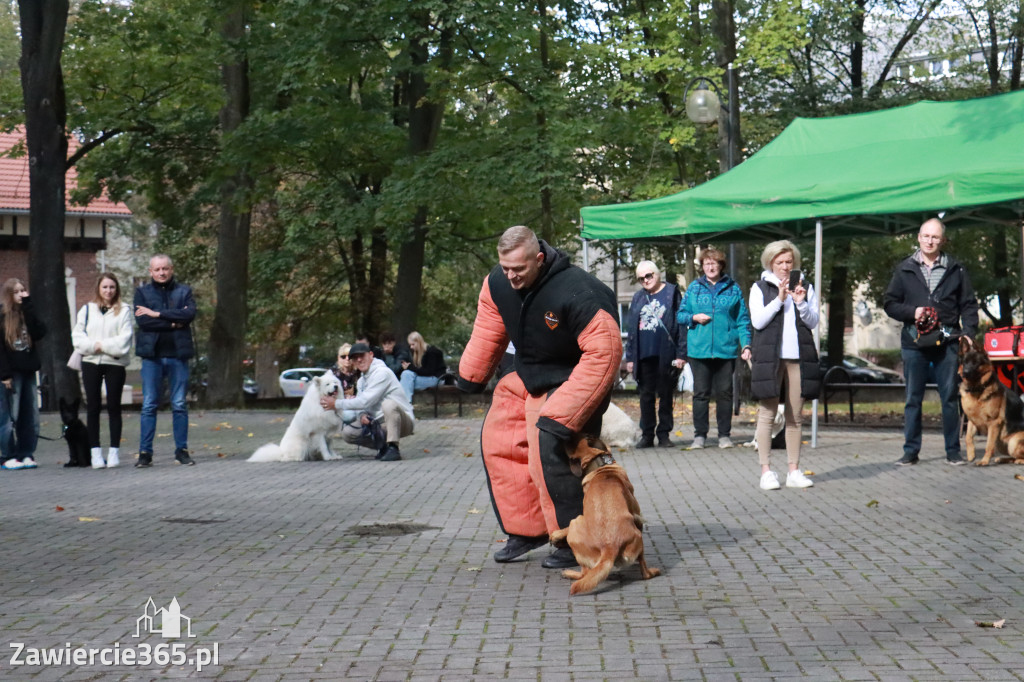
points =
(704, 105)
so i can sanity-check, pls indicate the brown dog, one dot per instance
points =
(609, 534)
(991, 408)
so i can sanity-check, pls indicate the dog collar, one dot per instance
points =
(598, 462)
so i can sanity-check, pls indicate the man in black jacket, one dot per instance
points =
(931, 280)
(164, 310)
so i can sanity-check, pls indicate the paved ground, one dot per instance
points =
(370, 571)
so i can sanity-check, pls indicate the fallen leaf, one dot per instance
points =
(216, 428)
(221, 454)
(87, 518)
(1019, 477)
(239, 428)
(467, 454)
(250, 434)
(60, 508)
(947, 502)
(474, 569)
(426, 451)
(873, 503)
(987, 624)
(808, 472)
(474, 511)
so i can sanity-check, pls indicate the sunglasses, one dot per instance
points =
(343, 357)
(644, 278)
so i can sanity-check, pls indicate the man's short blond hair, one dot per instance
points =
(777, 248)
(517, 236)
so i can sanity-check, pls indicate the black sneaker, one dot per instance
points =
(517, 546)
(665, 442)
(906, 460)
(646, 442)
(144, 461)
(391, 454)
(181, 456)
(560, 558)
(955, 460)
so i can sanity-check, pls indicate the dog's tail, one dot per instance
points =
(596, 575)
(271, 452)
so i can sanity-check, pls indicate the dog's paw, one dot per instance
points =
(571, 574)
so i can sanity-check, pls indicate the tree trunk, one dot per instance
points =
(43, 23)
(227, 335)
(425, 116)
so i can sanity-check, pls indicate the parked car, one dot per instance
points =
(294, 382)
(862, 371)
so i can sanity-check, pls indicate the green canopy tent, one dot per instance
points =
(878, 173)
(864, 174)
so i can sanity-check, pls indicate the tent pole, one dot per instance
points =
(817, 330)
(586, 254)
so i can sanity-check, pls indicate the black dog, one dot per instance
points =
(75, 434)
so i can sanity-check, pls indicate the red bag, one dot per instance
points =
(1004, 343)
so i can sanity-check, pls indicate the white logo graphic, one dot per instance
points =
(170, 621)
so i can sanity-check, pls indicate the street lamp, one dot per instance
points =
(703, 106)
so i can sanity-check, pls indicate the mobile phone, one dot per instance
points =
(794, 279)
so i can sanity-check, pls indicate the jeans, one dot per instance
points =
(916, 362)
(19, 417)
(411, 382)
(712, 376)
(154, 371)
(655, 385)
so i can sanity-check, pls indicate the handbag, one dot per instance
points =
(928, 330)
(75, 361)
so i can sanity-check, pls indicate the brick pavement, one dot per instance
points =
(272, 564)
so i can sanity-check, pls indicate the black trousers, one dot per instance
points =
(658, 387)
(92, 376)
(712, 377)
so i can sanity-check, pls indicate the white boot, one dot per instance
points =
(112, 460)
(97, 458)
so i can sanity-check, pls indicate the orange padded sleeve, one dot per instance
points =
(574, 402)
(486, 345)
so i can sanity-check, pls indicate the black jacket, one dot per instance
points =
(953, 299)
(545, 321)
(24, 360)
(673, 343)
(177, 309)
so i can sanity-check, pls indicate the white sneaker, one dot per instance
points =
(698, 443)
(724, 442)
(796, 479)
(11, 465)
(770, 481)
(28, 463)
(112, 459)
(96, 455)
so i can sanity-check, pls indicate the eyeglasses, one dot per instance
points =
(644, 278)
(343, 357)
(929, 238)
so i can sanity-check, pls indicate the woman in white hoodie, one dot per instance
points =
(783, 313)
(103, 335)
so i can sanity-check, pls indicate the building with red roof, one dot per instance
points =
(85, 227)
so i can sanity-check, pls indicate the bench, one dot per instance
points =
(446, 385)
(833, 383)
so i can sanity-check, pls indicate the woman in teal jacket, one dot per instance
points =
(716, 315)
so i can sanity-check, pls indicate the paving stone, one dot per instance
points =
(877, 572)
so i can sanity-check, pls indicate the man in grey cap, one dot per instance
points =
(385, 414)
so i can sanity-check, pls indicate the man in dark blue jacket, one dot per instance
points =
(164, 309)
(931, 279)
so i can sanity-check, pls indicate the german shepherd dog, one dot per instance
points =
(991, 408)
(609, 533)
(75, 433)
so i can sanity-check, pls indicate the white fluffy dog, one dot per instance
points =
(618, 429)
(306, 437)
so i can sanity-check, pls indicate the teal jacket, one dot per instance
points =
(728, 332)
